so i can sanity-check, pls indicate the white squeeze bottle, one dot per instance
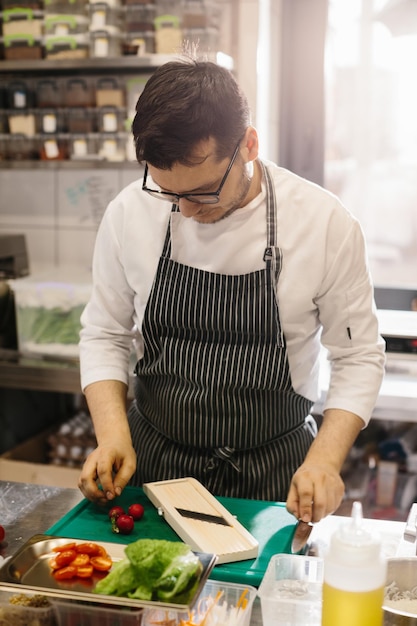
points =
(354, 576)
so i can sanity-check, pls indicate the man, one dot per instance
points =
(228, 272)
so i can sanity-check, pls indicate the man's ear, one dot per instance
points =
(250, 146)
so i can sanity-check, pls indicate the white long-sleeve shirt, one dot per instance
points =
(325, 293)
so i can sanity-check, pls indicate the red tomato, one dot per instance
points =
(101, 563)
(136, 511)
(85, 571)
(125, 524)
(2, 533)
(53, 564)
(90, 548)
(115, 511)
(65, 557)
(66, 546)
(80, 560)
(65, 573)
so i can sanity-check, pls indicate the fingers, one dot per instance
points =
(104, 476)
(314, 493)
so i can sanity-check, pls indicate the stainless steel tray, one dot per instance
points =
(29, 570)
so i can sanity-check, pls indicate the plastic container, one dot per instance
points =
(354, 576)
(27, 615)
(22, 21)
(78, 93)
(51, 121)
(22, 148)
(109, 92)
(106, 42)
(83, 147)
(81, 120)
(291, 590)
(22, 47)
(112, 147)
(139, 44)
(111, 120)
(77, 614)
(65, 24)
(48, 309)
(139, 18)
(49, 93)
(19, 95)
(67, 47)
(233, 607)
(22, 123)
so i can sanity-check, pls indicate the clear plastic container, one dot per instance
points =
(81, 120)
(139, 18)
(22, 47)
(67, 47)
(83, 147)
(83, 614)
(291, 590)
(139, 44)
(78, 93)
(49, 93)
(230, 604)
(17, 614)
(22, 21)
(111, 119)
(65, 24)
(105, 43)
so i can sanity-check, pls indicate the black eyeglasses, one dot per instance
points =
(210, 197)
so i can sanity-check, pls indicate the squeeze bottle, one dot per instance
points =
(354, 576)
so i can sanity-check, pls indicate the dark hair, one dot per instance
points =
(183, 103)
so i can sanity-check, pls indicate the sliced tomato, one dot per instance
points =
(65, 558)
(66, 546)
(65, 573)
(101, 563)
(85, 571)
(81, 560)
(53, 564)
(91, 548)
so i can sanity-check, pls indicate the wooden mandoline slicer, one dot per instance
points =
(200, 520)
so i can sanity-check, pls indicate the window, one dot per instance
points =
(371, 128)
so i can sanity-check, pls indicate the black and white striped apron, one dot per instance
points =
(213, 396)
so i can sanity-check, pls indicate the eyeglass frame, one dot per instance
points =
(212, 196)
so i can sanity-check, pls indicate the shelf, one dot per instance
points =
(126, 64)
(70, 165)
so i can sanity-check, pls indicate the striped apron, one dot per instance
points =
(213, 392)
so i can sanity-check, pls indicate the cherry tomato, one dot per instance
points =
(115, 511)
(53, 564)
(125, 524)
(65, 557)
(65, 573)
(80, 560)
(66, 546)
(136, 511)
(101, 563)
(2, 533)
(90, 548)
(85, 571)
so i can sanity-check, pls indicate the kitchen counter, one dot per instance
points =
(27, 509)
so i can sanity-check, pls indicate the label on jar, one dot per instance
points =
(80, 147)
(49, 123)
(51, 149)
(109, 122)
(101, 47)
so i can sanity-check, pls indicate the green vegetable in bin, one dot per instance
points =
(155, 569)
(41, 325)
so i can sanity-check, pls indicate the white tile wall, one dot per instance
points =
(59, 210)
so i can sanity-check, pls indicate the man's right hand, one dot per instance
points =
(107, 470)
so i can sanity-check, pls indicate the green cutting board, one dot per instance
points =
(269, 522)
